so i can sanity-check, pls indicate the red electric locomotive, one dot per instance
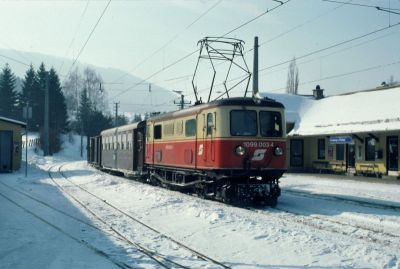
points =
(230, 149)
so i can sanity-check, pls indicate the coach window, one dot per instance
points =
(157, 132)
(321, 149)
(243, 122)
(270, 123)
(190, 127)
(210, 123)
(370, 149)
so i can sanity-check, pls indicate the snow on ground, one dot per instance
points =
(309, 228)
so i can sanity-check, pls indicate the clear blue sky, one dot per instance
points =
(131, 31)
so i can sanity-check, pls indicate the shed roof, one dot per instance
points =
(13, 121)
(375, 110)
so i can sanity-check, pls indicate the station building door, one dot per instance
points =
(392, 153)
(6, 151)
(296, 153)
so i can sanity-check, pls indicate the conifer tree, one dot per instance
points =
(84, 113)
(58, 110)
(37, 99)
(30, 86)
(8, 95)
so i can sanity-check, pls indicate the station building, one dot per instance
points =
(356, 133)
(10, 144)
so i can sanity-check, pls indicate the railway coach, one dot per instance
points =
(232, 150)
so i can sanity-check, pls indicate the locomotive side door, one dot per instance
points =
(208, 138)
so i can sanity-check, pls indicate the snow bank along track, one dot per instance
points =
(330, 197)
(162, 260)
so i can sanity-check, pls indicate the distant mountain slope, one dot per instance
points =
(137, 100)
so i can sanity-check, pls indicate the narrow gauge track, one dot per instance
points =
(152, 253)
(65, 233)
(329, 225)
(329, 197)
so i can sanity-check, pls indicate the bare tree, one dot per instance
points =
(72, 89)
(292, 78)
(95, 89)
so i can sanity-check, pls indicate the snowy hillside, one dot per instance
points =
(136, 98)
(84, 218)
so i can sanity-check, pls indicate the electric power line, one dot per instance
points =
(344, 74)
(172, 39)
(15, 60)
(191, 53)
(332, 46)
(90, 35)
(74, 36)
(361, 5)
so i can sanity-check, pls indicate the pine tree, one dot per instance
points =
(57, 112)
(37, 99)
(9, 97)
(58, 118)
(84, 113)
(29, 88)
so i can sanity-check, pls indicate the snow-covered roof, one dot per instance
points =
(13, 121)
(295, 105)
(361, 112)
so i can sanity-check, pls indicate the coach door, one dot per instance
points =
(392, 153)
(139, 146)
(6, 151)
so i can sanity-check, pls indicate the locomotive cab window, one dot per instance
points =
(270, 123)
(243, 122)
(157, 132)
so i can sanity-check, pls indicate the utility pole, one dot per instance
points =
(181, 104)
(27, 114)
(116, 113)
(46, 117)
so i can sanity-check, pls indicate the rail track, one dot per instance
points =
(80, 241)
(346, 228)
(360, 232)
(161, 259)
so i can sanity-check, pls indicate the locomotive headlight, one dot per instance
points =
(278, 151)
(240, 150)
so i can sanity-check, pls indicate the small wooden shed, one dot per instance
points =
(10, 144)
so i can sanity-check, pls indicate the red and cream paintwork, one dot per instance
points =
(211, 146)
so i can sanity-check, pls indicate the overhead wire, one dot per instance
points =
(332, 46)
(360, 5)
(74, 36)
(172, 39)
(13, 59)
(343, 74)
(193, 52)
(90, 35)
(281, 34)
